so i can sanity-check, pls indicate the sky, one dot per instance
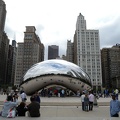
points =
(55, 20)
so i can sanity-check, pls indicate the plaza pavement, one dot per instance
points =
(55, 108)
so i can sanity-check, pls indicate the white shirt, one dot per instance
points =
(82, 98)
(23, 95)
(116, 91)
(91, 97)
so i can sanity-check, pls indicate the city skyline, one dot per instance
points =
(55, 25)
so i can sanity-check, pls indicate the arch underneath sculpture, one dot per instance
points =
(32, 85)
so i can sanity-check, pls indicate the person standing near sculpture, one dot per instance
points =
(82, 100)
(91, 100)
(114, 106)
(86, 103)
(23, 96)
(63, 93)
(116, 93)
(37, 97)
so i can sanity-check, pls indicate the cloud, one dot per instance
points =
(110, 33)
(55, 20)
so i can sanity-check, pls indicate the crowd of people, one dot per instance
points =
(33, 109)
(88, 99)
(21, 109)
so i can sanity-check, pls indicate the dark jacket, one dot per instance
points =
(34, 109)
(21, 110)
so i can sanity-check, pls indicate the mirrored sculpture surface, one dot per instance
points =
(51, 72)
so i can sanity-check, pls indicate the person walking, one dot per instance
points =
(33, 108)
(91, 100)
(114, 106)
(82, 100)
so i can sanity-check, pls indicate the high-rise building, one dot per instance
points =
(4, 44)
(70, 51)
(2, 15)
(4, 48)
(87, 51)
(53, 52)
(110, 59)
(11, 62)
(28, 53)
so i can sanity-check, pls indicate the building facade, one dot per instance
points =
(4, 45)
(110, 59)
(28, 53)
(70, 51)
(87, 51)
(53, 52)
(2, 15)
(11, 62)
(4, 48)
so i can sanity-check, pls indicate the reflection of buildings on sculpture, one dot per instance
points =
(55, 72)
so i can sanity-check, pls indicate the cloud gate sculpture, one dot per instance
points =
(55, 72)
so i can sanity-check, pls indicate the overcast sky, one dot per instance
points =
(55, 20)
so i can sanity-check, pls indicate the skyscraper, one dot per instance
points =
(53, 52)
(70, 51)
(110, 59)
(87, 51)
(4, 44)
(2, 15)
(28, 53)
(11, 62)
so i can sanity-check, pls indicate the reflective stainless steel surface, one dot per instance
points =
(53, 72)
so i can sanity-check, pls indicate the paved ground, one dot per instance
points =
(68, 112)
(66, 101)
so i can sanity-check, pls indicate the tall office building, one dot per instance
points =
(2, 15)
(70, 51)
(87, 51)
(11, 62)
(4, 44)
(53, 52)
(28, 53)
(110, 59)
(4, 48)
